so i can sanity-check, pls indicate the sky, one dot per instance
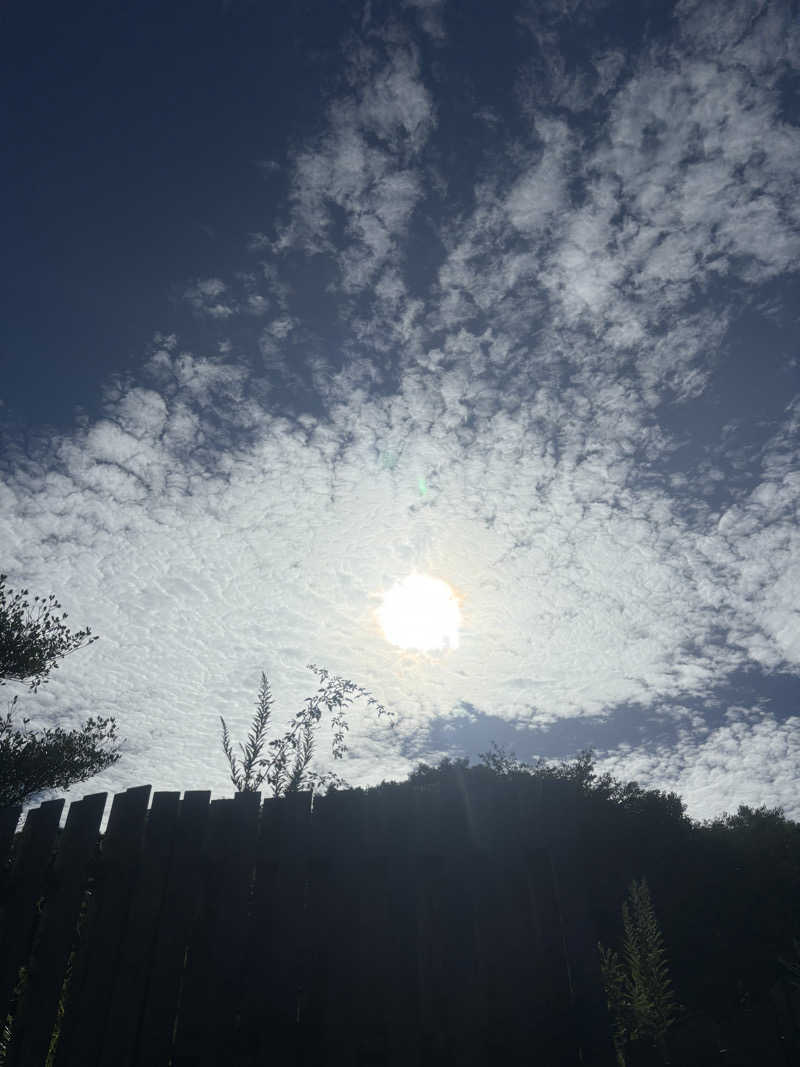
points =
(303, 300)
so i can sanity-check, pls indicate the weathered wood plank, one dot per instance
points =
(174, 931)
(9, 819)
(191, 1018)
(387, 1029)
(331, 1013)
(24, 887)
(588, 1026)
(95, 964)
(463, 894)
(135, 960)
(540, 1010)
(212, 982)
(452, 1006)
(277, 950)
(506, 962)
(37, 1012)
(429, 861)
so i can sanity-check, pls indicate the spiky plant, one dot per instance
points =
(334, 694)
(615, 985)
(638, 987)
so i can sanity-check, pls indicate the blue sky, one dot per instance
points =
(299, 303)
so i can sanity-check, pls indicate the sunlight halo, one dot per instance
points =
(420, 613)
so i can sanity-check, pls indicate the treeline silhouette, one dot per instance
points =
(726, 893)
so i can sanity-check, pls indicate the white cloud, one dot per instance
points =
(365, 165)
(205, 296)
(539, 194)
(751, 759)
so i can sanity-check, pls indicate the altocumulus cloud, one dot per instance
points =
(544, 346)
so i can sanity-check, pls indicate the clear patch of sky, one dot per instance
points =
(789, 89)
(131, 163)
(756, 374)
(774, 693)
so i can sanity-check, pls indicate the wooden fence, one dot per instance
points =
(394, 927)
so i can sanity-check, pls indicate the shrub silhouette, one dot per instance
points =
(32, 639)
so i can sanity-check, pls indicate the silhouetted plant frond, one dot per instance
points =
(638, 992)
(334, 694)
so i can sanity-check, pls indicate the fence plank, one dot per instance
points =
(136, 954)
(466, 861)
(452, 1006)
(428, 865)
(232, 938)
(212, 985)
(331, 1013)
(9, 819)
(37, 1012)
(174, 927)
(25, 885)
(388, 1028)
(544, 1008)
(588, 1025)
(95, 965)
(506, 964)
(276, 958)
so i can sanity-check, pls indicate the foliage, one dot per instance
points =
(503, 764)
(8, 1022)
(33, 761)
(763, 819)
(615, 985)
(334, 694)
(638, 991)
(578, 771)
(498, 762)
(423, 774)
(32, 638)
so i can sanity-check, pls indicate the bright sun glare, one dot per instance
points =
(421, 613)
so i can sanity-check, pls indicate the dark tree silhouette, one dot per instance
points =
(726, 892)
(32, 639)
(32, 761)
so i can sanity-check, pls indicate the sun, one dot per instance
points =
(422, 613)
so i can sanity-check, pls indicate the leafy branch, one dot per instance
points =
(32, 761)
(33, 636)
(335, 694)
